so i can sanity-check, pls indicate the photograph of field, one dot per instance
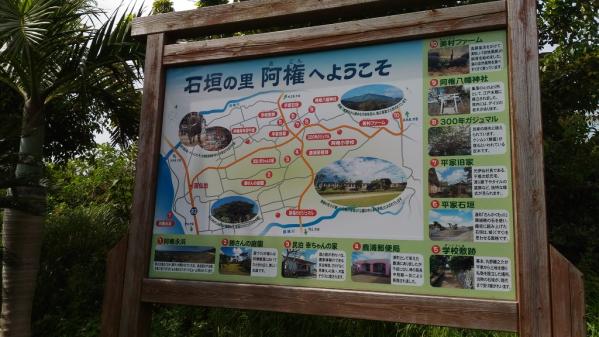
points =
(360, 182)
(450, 182)
(450, 225)
(235, 261)
(188, 254)
(452, 100)
(371, 267)
(449, 141)
(449, 61)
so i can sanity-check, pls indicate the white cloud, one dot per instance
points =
(456, 176)
(452, 219)
(366, 170)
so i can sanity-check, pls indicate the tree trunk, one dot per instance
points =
(22, 231)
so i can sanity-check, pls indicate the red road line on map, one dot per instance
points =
(295, 136)
(299, 202)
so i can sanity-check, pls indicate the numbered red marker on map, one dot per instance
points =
(297, 124)
(396, 115)
(287, 158)
(311, 109)
(306, 121)
(297, 152)
(434, 162)
(434, 122)
(287, 244)
(280, 121)
(434, 82)
(357, 246)
(435, 204)
(247, 141)
(339, 131)
(277, 215)
(293, 115)
(160, 240)
(224, 242)
(169, 214)
(268, 174)
(436, 249)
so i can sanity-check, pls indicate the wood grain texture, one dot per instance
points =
(135, 319)
(113, 289)
(560, 294)
(454, 20)
(261, 13)
(534, 292)
(457, 312)
(577, 303)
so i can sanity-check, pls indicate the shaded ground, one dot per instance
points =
(460, 234)
(450, 281)
(178, 256)
(449, 71)
(362, 199)
(371, 278)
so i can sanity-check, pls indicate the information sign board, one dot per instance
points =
(383, 168)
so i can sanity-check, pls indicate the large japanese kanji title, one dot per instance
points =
(292, 74)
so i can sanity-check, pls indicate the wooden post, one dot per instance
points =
(113, 289)
(534, 293)
(136, 316)
(567, 294)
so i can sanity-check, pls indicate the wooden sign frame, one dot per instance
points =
(130, 293)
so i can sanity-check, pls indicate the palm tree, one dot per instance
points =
(50, 51)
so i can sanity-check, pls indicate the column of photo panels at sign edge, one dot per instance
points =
(466, 103)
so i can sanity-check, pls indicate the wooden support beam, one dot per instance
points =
(113, 289)
(136, 315)
(254, 14)
(534, 292)
(457, 312)
(567, 294)
(453, 20)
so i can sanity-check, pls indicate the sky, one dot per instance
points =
(356, 256)
(444, 217)
(379, 89)
(366, 169)
(110, 6)
(452, 175)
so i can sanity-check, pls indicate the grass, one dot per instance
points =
(181, 321)
(178, 321)
(364, 201)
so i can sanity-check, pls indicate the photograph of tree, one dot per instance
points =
(449, 141)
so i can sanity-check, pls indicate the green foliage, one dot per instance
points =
(78, 75)
(89, 201)
(162, 6)
(207, 3)
(71, 280)
(104, 177)
(179, 321)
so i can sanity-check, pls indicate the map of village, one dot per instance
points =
(342, 163)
